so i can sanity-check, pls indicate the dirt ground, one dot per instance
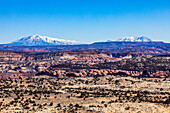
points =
(107, 94)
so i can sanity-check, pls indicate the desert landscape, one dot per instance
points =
(84, 81)
(116, 94)
(84, 56)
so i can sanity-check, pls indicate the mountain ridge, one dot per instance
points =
(37, 40)
(114, 47)
(135, 39)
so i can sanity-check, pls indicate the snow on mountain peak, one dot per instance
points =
(135, 39)
(37, 40)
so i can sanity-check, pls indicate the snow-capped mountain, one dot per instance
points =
(135, 39)
(37, 40)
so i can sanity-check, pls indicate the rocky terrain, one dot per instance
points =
(15, 65)
(84, 81)
(116, 94)
(86, 63)
(142, 66)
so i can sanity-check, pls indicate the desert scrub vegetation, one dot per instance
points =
(83, 94)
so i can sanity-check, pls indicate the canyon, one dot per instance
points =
(84, 81)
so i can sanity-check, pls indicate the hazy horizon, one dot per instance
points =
(85, 21)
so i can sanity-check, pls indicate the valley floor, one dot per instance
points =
(107, 94)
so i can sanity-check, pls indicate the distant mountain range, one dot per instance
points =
(41, 44)
(37, 40)
(135, 39)
(114, 47)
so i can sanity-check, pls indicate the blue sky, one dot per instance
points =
(85, 20)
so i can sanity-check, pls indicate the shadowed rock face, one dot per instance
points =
(143, 66)
(83, 63)
(103, 72)
(167, 101)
